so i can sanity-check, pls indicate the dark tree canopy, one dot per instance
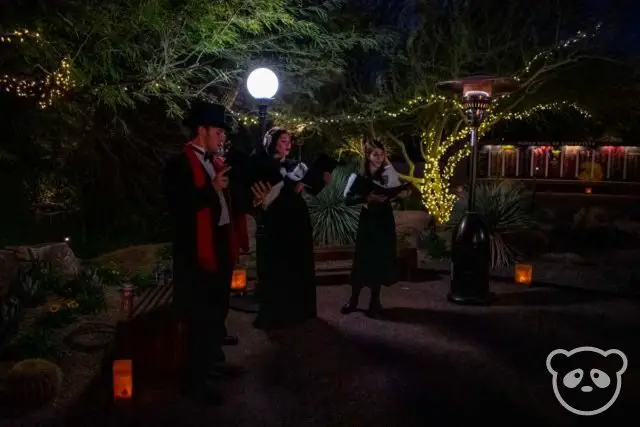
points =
(134, 66)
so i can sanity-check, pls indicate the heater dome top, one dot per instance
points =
(491, 85)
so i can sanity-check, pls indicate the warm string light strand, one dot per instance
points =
(47, 89)
(56, 84)
(19, 36)
(300, 123)
(580, 36)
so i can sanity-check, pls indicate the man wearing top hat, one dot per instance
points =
(206, 241)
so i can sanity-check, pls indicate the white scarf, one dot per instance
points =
(295, 175)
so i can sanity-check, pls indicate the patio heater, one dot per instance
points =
(262, 85)
(471, 246)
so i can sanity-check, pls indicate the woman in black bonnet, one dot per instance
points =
(287, 289)
(374, 260)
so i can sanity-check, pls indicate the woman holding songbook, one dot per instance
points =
(374, 261)
(287, 290)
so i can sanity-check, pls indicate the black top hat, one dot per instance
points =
(208, 115)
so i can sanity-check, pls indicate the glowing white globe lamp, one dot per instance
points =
(262, 83)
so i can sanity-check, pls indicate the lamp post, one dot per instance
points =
(470, 246)
(262, 85)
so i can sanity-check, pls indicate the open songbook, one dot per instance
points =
(311, 177)
(362, 186)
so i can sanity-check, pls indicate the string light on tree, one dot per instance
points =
(19, 36)
(410, 106)
(434, 187)
(420, 101)
(47, 89)
(580, 36)
(59, 82)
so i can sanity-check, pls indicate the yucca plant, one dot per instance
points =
(504, 208)
(333, 222)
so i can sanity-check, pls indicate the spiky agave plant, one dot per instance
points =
(333, 222)
(504, 208)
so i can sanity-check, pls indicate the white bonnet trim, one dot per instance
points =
(350, 181)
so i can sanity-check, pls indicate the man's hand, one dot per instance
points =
(260, 191)
(376, 198)
(220, 182)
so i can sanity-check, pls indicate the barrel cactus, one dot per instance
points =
(33, 383)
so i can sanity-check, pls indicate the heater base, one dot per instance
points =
(485, 299)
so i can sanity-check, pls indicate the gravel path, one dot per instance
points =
(428, 361)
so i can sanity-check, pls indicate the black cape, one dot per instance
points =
(183, 201)
(374, 262)
(287, 289)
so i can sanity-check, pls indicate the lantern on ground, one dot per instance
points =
(122, 380)
(523, 274)
(470, 249)
(239, 280)
(587, 190)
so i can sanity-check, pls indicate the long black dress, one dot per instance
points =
(374, 259)
(288, 288)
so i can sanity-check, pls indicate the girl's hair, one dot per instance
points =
(271, 139)
(369, 147)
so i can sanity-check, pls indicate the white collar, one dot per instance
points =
(198, 149)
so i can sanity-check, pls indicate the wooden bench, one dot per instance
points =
(152, 299)
(151, 335)
(406, 262)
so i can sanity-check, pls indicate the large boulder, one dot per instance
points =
(59, 256)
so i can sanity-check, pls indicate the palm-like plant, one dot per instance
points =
(503, 206)
(333, 222)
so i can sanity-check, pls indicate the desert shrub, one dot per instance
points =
(433, 244)
(504, 207)
(35, 343)
(333, 222)
(57, 314)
